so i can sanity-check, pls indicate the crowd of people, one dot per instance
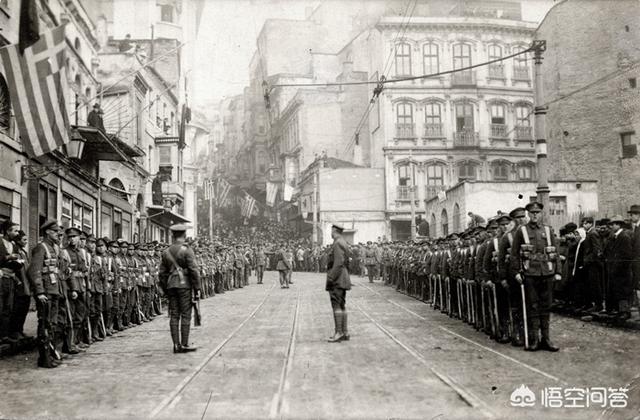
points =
(504, 277)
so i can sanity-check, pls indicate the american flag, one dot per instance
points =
(272, 191)
(37, 82)
(248, 207)
(209, 189)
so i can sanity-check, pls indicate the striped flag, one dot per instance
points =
(223, 191)
(272, 191)
(248, 207)
(209, 189)
(37, 82)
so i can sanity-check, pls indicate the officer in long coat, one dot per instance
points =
(338, 282)
(179, 280)
(534, 256)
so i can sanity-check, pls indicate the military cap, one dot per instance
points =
(100, 241)
(180, 227)
(492, 222)
(570, 227)
(123, 243)
(131, 246)
(587, 219)
(83, 234)
(517, 212)
(501, 218)
(562, 231)
(91, 238)
(50, 224)
(534, 206)
(617, 219)
(135, 245)
(337, 227)
(603, 222)
(114, 244)
(72, 231)
(635, 209)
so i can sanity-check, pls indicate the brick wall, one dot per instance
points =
(586, 41)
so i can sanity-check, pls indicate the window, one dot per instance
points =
(525, 172)
(523, 117)
(495, 53)
(139, 121)
(445, 223)
(47, 203)
(456, 218)
(557, 206)
(166, 13)
(435, 175)
(66, 211)
(466, 171)
(404, 119)
(126, 225)
(403, 59)
(164, 155)
(432, 113)
(464, 117)
(629, 145)
(461, 56)
(520, 60)
(107, 221)
(117, 224)
(87, 219)
(500, 171)
(430, 58)
(406, 175)
(497, 114)
(77, 215)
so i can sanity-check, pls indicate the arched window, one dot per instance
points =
(118, 188)
(403, 59)
(404, 120)
(406, 174)
(461, 56)
(526, 171)
(432, 120)
(520, 65)
(432, 226)
(445, 223)
(467, 171)
(78, 81)
(5, 108)
(456, 218)
(498, 121)
(464, 117)
(500, 170)
(430, 58)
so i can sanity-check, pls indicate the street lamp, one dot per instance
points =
(75, 147)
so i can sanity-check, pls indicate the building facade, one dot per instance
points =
(594, 116)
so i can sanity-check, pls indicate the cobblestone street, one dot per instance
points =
(263, 354)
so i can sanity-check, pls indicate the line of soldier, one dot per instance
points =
(498, 278)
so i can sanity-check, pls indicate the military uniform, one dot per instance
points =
(338, 282)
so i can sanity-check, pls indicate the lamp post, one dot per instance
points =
(540, 112)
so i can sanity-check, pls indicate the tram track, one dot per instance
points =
(175, 395)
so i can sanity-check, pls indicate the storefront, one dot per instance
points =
(116, 214)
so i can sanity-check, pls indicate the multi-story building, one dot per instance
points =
(590, 72)
(232, 114)
(432, 133)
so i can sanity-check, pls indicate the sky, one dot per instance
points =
(227, 40)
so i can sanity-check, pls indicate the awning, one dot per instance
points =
(99, 145)
(165, 217)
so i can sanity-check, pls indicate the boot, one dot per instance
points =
(345, 329)
(546, 343)
(184, 332)
(175, 337)
(44, 358)
(534, 342)
(338, 335)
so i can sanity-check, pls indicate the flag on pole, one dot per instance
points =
(37, 82)
(248, 207)
(209, 189)
(272, 191)
(288, 192)
(223, 191)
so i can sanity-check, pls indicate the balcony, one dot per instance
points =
(431, 191)
(521, 73)
(466, 139)
(405, 131)
(463, 78)
(433, 131)
(496, 71)
(524, 133)
(498, 131)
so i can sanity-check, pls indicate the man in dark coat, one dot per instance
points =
(338, 282)
(618, 257)
(634, 212)
(179, 278)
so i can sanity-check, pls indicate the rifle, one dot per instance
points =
(140, 314)
(524, 315)
(495, 308)
(197, 318)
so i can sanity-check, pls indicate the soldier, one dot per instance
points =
(121, 292)
(180, 281)
(534, 257)
(246, 254)
(238, 261)
(518, 215)
(95, 284)
(75, 271)
(282, 265)
(261, 260)
(370, 261)
(144, 286)
(499, 285)
(338, 282)
(47, 288)
(634, 213)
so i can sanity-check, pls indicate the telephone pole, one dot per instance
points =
(314, 199)
(540, 112)
(412, 193)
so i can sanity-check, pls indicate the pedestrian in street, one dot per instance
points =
(9, 266)
(179, 281)
(22, 290)
(261, 260)
(338, 282)
(283, 266)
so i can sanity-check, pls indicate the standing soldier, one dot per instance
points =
(120, 259)
(47, 289)
(239, 267)
(74, 270)
(338, 282)
(518, 215)
(499, 286)
(283, 266)
(534, 260)
(95, 285)
(370, 261)
(261, 260)
(179, 280)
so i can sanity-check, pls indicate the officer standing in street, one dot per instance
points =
(261, 260)
(534, 257)
(179, 280)
(338, 282)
